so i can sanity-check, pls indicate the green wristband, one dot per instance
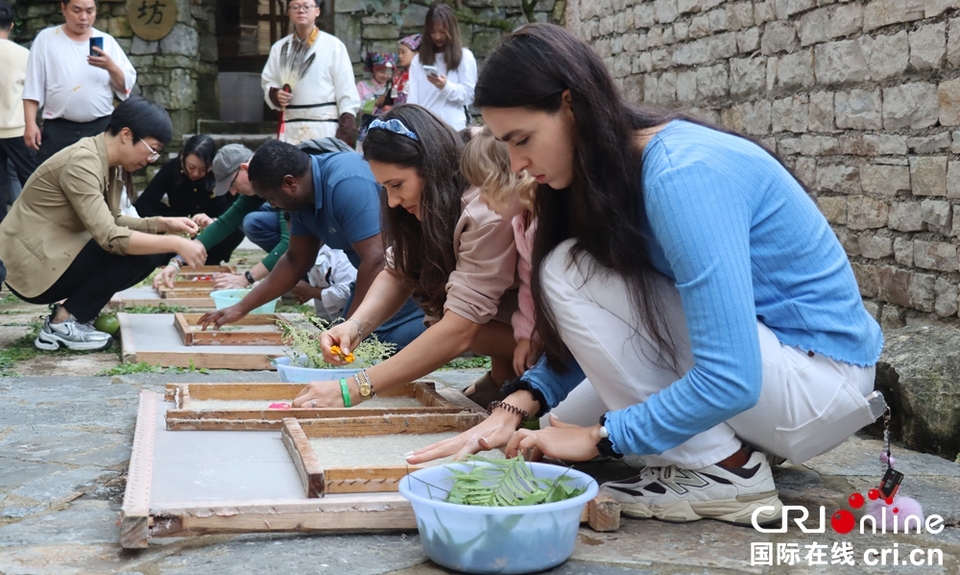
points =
(345, 391)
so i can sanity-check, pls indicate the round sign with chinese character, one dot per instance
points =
(152, 19)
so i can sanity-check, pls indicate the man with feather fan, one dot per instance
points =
(309, 79)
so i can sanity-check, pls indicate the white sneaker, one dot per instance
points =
(71, 334)
(682, 495)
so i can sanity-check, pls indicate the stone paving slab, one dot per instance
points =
(65, 441)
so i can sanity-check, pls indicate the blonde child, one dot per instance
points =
(485, 163)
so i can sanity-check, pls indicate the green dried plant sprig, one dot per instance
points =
(304, 346)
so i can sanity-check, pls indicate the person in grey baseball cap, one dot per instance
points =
(230, 170)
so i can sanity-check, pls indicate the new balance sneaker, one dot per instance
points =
(681, 495)
(71, 334)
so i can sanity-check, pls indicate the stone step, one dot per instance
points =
(252, 141)
(220, 127)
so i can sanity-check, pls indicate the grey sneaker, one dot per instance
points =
(682, 495)
(71, 334)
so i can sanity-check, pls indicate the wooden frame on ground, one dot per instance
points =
(320, 479)
(142, 520)
(153, 338)
(188, 326)
(187, 416)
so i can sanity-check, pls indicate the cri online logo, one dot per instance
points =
(843, 521)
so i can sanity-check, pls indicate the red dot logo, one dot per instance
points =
(842, 521)
(873, 494)
(855, 501)
(896, 510)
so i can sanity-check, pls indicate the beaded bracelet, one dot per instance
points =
(345, 392)
(511, 408)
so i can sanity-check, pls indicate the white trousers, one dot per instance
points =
(807, 406)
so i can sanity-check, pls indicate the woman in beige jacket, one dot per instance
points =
(452, 253)
(65, 238)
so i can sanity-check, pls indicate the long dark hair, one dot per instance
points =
(422, 250)
(453, 49)
(532, 69)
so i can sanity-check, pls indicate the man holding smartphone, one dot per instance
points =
(72, 74)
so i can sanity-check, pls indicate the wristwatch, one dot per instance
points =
(249, 277)
(605, 446)
(363, 382)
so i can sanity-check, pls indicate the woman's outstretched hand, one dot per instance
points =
(166, 277)
(561, 440)
(177, 225)
(228, 281)
(322, 394)
(192, 252)
(343, 335)
(493, 432)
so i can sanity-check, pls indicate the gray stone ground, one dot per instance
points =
(65, 438)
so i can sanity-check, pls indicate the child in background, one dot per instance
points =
(332, 275)
(408, 49)
(485, 163)
(376, 92)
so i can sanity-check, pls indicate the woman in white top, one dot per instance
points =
(444, 73)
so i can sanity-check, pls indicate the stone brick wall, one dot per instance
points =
(860, 97)
(173, 71)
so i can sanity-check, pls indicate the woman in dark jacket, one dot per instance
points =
(188, 183)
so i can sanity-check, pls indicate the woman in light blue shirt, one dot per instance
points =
(686, 273)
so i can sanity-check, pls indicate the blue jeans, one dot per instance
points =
(404, 327)
(3, 273)
(263, 227)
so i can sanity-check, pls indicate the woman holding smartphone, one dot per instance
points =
(443, 73)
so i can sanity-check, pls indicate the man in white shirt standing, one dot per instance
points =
(324, 102)
(73, 80)
(12, 147)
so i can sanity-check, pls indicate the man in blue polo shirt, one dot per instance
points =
(334, 200)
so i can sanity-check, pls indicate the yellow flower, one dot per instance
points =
(335, 350)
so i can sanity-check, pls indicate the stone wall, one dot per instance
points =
(860, 97)
(173, 71)
(179, 68)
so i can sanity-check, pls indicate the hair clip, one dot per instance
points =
(393, 125)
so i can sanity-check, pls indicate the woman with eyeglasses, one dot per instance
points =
(454, 255)
(65, 238)
(188, 183)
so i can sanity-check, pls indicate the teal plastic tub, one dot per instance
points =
(477, 539)
(227, 297)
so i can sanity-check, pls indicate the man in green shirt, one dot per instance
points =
(230, 169)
